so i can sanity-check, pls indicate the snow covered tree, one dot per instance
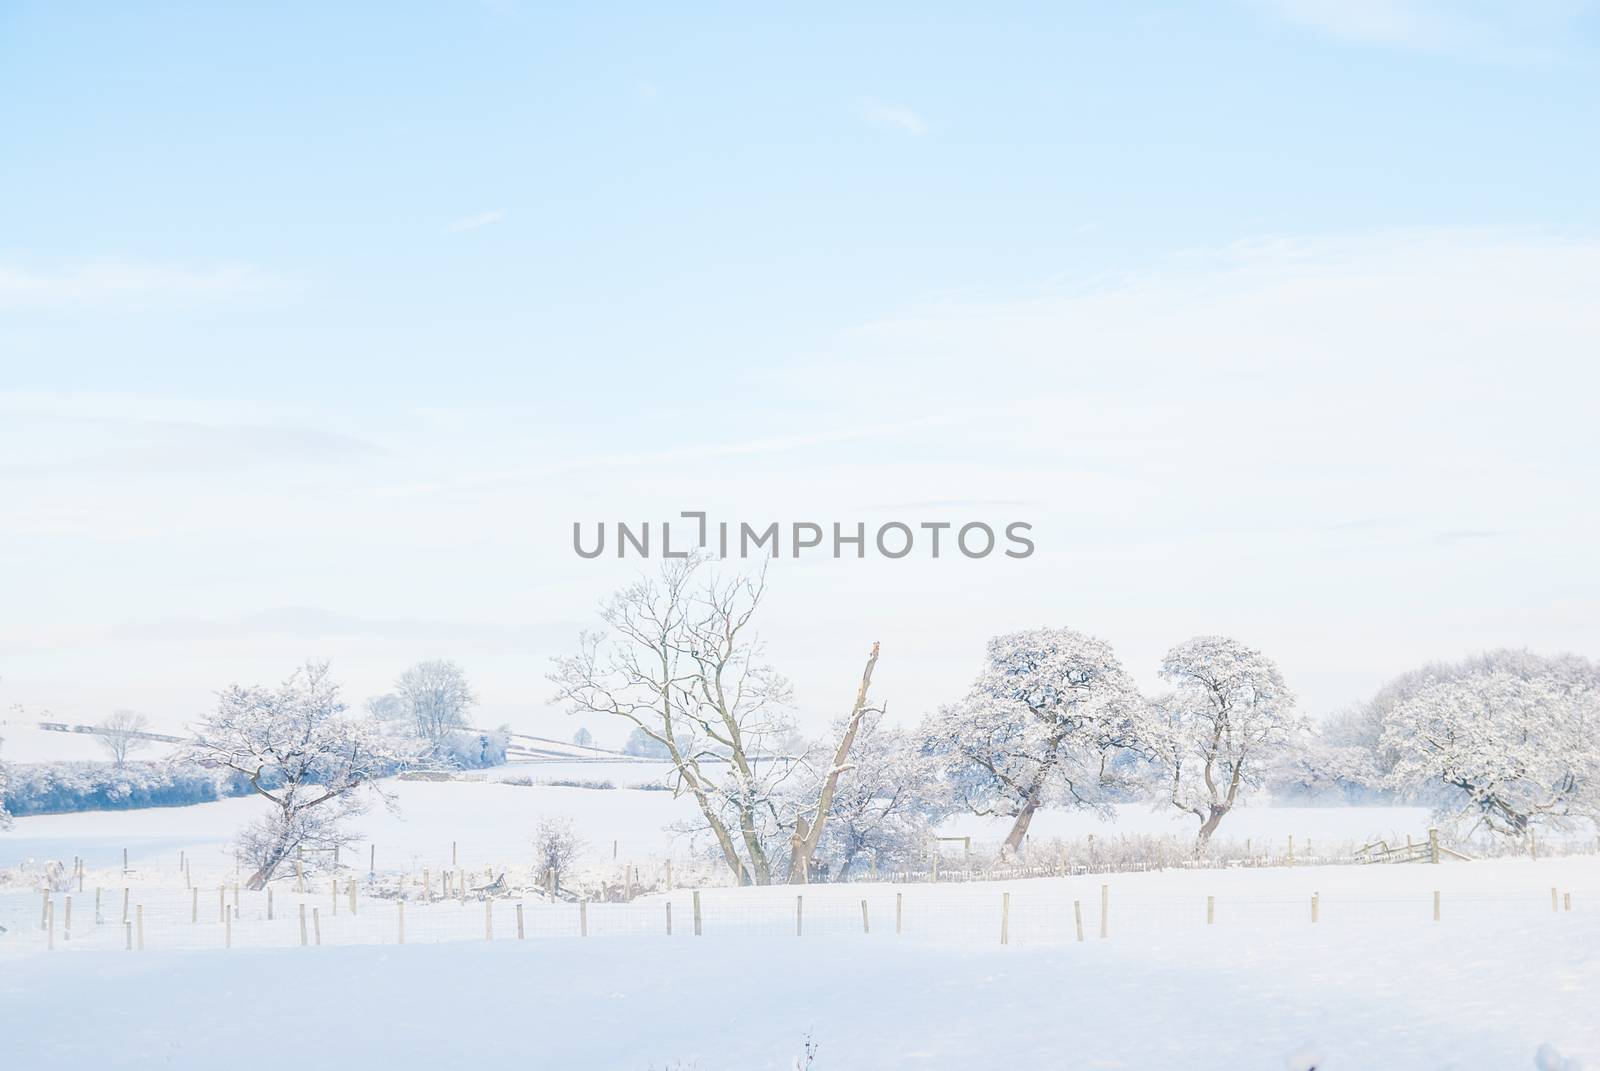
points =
(642, 745)
(1514, 738)
(1042, 724)
(811, 819)
(583, 738)
(301, 754)
(887, 802)
(436, 698)
(1230, 716)
(122, 733)
(5, 784)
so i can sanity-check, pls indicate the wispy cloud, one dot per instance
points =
(472, 223)
(896, 116)
(1515, 33)
(133, 283)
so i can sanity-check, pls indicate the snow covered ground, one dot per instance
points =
(490, 822)
(922, 982)
(1374, 983)
(22, 740)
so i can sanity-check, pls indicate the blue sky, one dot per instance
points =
(319, 327)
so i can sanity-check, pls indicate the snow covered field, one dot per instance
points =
(924, 981)
(491, 820)
(1374, 983)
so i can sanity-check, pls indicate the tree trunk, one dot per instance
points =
(1208, 827)
(269, 865)
(804, 843)
(1019, 828)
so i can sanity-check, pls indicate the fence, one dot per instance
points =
(349, 912)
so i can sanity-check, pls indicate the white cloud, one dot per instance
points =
(472, 223)
(136, 283)
(1514, 33)
(897, 116)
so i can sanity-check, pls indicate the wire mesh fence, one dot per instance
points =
(1050, 912)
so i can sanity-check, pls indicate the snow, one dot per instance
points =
(1264, 825)
(1374, 984)
(23, 741)
(487, 821)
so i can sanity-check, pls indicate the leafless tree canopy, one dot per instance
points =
(121, 735)
(437, 698)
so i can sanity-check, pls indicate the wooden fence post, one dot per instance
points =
(697, 912)
(1005, 918)
(125, 916)
(127, 932)
(1436, 905)
(1105, 911)
(799, 914)
(352, 896)
(1433, 845)
(452, 855)
(1553, 906)
(333, 886)
(1314, 907)
(269, 903)
(194, 905)
(520, 934)
(899, 911)
(865, 928)
(1566, 903)
(1211, 910)
(49, 923)
(303, 940)
(1077, 916)
(372, 859)
(669, 875)
(98, 918)
(669, 918)
(138, 925)
(316, 924)
(66, 924)
(222, 903)
(44, 908)
(1291, 849)
(402, 917)
(583, 918)
(299, 877)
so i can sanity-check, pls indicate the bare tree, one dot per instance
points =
(122, 733)
(555, 847)
(437, 698)
(681, 662)
(301, 754)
